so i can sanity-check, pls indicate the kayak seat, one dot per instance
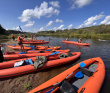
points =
(29, 61)
(47, 50)
(41, 52)
(62, 55)
(66, 87)
(86, 71)
(22, 53)
(69, 54)
(14, 44)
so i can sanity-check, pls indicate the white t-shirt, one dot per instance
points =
(3, 49)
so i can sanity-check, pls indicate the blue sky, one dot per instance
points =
(39, 15)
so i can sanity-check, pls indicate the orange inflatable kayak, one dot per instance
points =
(15, 71)
(28, 54)
(37, 51)
(48, 47)
(17, 47)
(84, 77)
(76, 43)
(35, 42)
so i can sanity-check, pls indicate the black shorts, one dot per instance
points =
(1, 56)
(20, 43)
(13, 38)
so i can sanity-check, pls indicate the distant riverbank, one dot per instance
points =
(88, 36)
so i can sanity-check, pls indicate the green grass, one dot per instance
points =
(19, 78)
(27, 85)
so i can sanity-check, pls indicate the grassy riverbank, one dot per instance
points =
(94, 32)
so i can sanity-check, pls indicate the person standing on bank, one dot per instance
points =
(32, 37)
(20, 40)
(1, 54)
(12, 36)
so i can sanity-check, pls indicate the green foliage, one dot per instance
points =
(2, 30)
(95, 32)
(3, 37)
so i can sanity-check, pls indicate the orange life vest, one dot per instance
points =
(12, 35)
(20, 39)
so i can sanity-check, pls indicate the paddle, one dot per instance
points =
(54, 53)
(59, 83)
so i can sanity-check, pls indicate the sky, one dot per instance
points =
(44, 15)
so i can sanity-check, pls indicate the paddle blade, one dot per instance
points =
(50, 91)
(82, 64)
(54, 53)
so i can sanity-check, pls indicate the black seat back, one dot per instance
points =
(66, 87)
(86, 71)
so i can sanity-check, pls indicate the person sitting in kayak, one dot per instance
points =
(67, 39)
(80, 40)
(20, 40)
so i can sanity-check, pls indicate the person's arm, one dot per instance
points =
(1, 45)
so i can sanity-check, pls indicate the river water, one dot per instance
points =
(96, 49)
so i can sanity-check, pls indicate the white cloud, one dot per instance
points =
(106, 20)
(29, 24)
(16, 28)
(70, 26)
(43, 10)
(50, 23)
(42, 29)
(80, 3)
(59, 28)
(55, 4)
(94, 24)
(91, 20)
(60, 21)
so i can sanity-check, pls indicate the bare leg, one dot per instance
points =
(21, 48)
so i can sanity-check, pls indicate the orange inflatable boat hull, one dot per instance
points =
(91, 84)
(35, 42)
(31, 54)
(37, 47)
(36, 51)
(32, 40)
(76, 43)
(18, 47)
(9, 72)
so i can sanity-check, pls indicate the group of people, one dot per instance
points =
(4, 46)
(33, 37)
(79, 40)
(20, 40)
